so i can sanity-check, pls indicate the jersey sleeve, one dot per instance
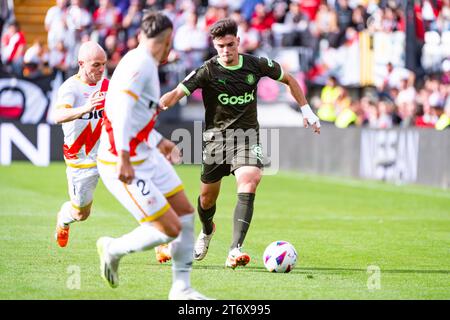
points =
(194, 80)
(132, 81)
(65, 97)
(270, 68)
(154, 139)
(123, 94)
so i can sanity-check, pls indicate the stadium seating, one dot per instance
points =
(31, 16)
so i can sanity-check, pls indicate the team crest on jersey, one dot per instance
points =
(98, 94)
(256, 149)
(95, 94)
(250, 79)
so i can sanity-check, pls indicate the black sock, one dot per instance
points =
(242, 217)
(206, 217)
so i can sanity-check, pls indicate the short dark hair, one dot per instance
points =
(154, 22)
(223, 27)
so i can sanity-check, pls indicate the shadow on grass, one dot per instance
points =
(309, 270)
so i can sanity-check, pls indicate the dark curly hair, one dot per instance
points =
(223, 27)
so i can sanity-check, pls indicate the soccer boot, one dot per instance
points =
(109, 265)
(163, 253)
(202, 244)
(237, 258)
(62, 236)
(61, 232)
(186, 294)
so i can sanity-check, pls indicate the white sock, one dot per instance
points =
(65, 216)
(142, 238)
(181, 250)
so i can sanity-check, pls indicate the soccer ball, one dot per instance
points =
(280, 256)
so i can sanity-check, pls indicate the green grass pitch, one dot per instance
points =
(339, 227)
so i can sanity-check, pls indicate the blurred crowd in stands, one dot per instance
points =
(323, 36)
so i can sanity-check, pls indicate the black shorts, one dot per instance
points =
(223, 156)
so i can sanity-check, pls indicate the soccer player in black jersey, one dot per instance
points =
(231, 137)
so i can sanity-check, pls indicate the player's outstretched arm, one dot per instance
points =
(124, 168)
(170, 151)
(297, 93)
(171, 98)
(62, 114)
(165, 146)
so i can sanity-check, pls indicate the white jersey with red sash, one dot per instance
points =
(131, 108)
(81, 136)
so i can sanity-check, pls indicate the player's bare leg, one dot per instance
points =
(145, 237)
(248, 178)
(180, 250)
(66, 216)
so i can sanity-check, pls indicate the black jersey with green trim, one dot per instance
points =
(230, 93)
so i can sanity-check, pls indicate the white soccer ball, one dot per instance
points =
(280, 256)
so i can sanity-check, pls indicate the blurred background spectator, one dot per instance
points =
(107, 21)
(13, 48)
(35, 60)
(58, 58)
(6, 12)
(191, 42)
(55, 23)
(132, 19)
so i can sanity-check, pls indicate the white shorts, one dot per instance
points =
(145, 198)
(81, 184)
(165, 177)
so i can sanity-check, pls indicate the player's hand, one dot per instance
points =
(171, 98)
(125, 170)
(163, 104)
(309, 118)
(170, 151)
(315, 125)
(162, 107)
(95, 101)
